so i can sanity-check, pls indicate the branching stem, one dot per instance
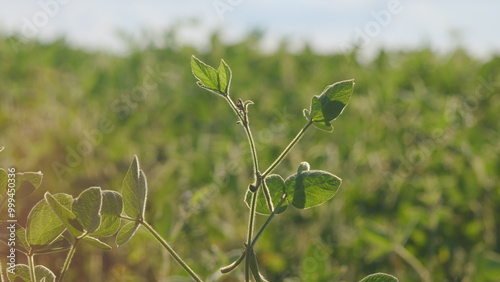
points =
(286, 150)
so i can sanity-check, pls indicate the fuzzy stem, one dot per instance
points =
(251, 223)
(268, 221)
(286, 150)
(31, 265)
(176, 257)
(68, 259)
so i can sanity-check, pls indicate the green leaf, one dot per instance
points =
(87, 208)
(379, 277)
(21, 240)
(96, 243)
(22, 244)
(311, 188)
(58, 245)
(27, 183)
(126, 232)
(44, 226)
(63, 211)
(207, 75)
(112, 207)
(22, 272)
(330, 104)
(276, 186)
(215, 81)
(225, 75)
(134, 191)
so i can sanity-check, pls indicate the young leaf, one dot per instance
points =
(303, 166)
(207, 76)
(379, 277)
(126, 232)
(330, 104)
(311, 188)
(87, 208)
(215, 81)
(112, 207)
(134, 191)
(44, 226)
(27, 182)
(64, 213)
(22, 273)
(96, 243)
(276, 186)
(225, 75)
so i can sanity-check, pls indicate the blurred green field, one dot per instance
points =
(417, 149)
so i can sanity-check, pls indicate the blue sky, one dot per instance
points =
(327, 25)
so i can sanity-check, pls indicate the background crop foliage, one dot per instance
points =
(417, 150)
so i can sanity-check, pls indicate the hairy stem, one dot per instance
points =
(31, 266)
(268, 221)
(176, 257)
(67, 262)
(243, 116)
(251, 223)
(233, 265)
(286, 150)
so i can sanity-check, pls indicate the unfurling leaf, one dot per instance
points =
(216, 81)
(134, 191)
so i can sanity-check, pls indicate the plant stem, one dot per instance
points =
(286, 150)
(268, 221)
(31, 266)
(177, 258)
(251, 223)
(244, 121)
(68, 259)
(235, 264)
